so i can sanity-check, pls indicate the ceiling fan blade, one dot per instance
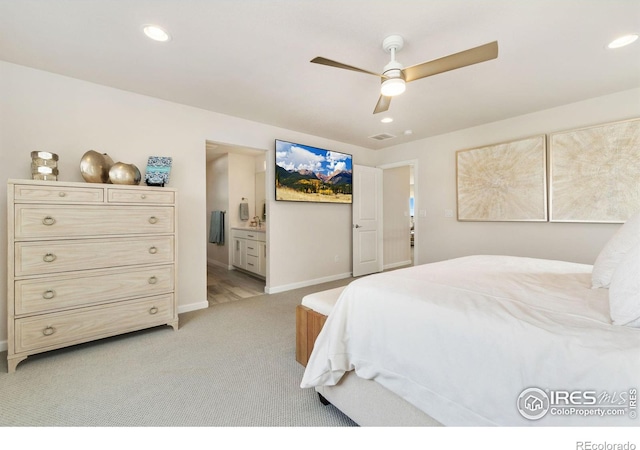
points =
(475, 55)
(383, 104)
(329, 62)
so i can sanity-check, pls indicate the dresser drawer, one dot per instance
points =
(46, 221)
(64, 292)
(57, 194)
(138, 196)
(53, 330)
(48, 257)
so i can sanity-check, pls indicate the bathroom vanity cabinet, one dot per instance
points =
(249, 251)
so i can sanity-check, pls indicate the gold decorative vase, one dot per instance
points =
(123, 173)
(95, 167)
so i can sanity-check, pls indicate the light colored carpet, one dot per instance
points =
(230, 365)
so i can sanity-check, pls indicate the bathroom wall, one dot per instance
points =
(242, 188)
(218, 200)
(260, 180)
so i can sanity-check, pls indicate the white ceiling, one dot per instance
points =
(250, 58)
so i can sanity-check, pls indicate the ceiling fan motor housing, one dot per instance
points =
(392, 44)
(393, 70)
(393, 81)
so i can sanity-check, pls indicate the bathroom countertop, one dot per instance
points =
(261, 229)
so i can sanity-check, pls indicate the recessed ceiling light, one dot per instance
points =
(623, 40)
(387, 120)
(156, 33)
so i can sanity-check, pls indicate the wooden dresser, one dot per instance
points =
(87, 261)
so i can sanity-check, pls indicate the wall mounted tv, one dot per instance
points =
(310, 174)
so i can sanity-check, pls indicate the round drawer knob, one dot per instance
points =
(153, 219)
(143, 196)
(48, 294)
(48, 331)
(153, 250)
(153, 310)
(48, 221)
(153, 280)
(62, 194)
(49, 257)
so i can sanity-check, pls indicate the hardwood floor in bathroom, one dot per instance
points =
(229, 285)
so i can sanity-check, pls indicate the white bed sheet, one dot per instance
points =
(461, 339)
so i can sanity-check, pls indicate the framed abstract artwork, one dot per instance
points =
(503, 182)
(594, 173)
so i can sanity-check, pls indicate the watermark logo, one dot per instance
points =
(535, 403)
(588, 445)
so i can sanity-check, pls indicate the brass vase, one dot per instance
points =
(95, 167)
(123, 173)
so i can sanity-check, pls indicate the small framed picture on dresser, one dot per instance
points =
(158, 170)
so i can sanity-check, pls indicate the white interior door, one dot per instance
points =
(367, 220)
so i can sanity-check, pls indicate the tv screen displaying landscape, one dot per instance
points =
(310, 174)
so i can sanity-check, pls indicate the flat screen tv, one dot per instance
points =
(310, 174)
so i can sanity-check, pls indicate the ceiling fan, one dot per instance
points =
(394, 75)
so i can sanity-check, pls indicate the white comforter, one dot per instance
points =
(461, 339)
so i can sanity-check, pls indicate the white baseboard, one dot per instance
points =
(192, 307)
(396, 265)
(288, 287)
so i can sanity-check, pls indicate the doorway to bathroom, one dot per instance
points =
(235, 198)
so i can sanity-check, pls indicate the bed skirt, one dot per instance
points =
(371, 405)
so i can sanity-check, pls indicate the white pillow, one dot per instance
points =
(624, 292)
(625, 238)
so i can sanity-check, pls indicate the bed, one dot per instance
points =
(487, 340)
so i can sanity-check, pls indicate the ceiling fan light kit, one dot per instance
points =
(395, 76)
(392, 87)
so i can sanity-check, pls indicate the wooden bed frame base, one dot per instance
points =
(308, 326)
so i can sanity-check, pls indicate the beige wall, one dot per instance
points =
(440, 237)
(44, 111)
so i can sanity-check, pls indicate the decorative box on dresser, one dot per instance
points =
(87, 261)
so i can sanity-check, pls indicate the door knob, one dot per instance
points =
(356, 226)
